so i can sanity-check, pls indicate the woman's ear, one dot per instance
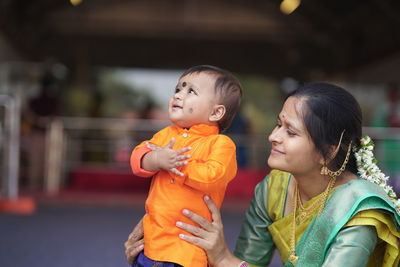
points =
(321, 160)
(333, 150)
(218, 113)
(331, 155)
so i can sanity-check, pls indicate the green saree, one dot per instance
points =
(358, 227)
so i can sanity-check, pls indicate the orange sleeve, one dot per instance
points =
(141, 150)
(214, 170)
(136, 162)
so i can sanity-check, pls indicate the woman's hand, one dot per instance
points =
(135, 242)
(209, 236)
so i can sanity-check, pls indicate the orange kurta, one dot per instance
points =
(211, 166)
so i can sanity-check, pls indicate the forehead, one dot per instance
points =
(199, 80)
(292, 113)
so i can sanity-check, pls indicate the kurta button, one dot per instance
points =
(185, 135)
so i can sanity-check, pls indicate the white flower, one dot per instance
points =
(368, 170)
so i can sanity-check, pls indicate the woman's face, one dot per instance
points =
(292, 148)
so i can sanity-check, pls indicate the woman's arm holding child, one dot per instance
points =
(135, 242)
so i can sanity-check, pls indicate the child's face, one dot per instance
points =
(194, 100)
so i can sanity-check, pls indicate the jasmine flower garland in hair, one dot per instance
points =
(368, 170)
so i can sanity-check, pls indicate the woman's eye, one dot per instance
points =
(290, 133)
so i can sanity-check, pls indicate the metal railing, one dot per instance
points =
(9, 145)
(73, 142)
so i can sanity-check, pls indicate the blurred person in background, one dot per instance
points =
(388, 115)
(325, 203)
(204, 104)
(238, 131)
(394, 121)
(41, 109)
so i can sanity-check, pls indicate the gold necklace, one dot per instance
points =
(303, 211)
(321, 204)
(293, 258)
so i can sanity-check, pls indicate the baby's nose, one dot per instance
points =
(178, 95)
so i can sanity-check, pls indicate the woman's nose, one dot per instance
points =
(275, 136)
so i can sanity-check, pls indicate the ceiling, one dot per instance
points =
(250, 36)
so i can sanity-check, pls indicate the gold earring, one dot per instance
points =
(326, 171)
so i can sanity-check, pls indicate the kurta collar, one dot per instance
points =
(200, 129)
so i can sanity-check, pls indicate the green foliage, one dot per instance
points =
(119, 97)
(262, 103)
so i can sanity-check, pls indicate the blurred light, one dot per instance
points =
(75, 2)
(289, 84)
(288, 6)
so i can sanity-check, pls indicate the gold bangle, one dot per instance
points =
(243, 264)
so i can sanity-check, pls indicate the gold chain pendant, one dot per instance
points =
(303, 216)
(293, 259)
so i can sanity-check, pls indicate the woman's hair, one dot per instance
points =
(328, 111)
(227, 88)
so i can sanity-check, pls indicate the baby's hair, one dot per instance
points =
(227, 88)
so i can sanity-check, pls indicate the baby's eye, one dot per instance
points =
(191, 91)
(177, 90)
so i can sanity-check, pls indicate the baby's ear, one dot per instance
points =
(218, 113)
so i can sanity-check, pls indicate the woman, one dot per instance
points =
(313, 207)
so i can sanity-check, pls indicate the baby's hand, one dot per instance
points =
(169, 159)
(153, 147)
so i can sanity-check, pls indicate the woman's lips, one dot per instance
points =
(276, 151)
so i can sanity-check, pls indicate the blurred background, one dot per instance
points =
(83, 82)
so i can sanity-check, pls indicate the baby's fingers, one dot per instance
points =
(171, 143)
(175, 171)
(183, 150)
(152, 146)
(183, 157)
